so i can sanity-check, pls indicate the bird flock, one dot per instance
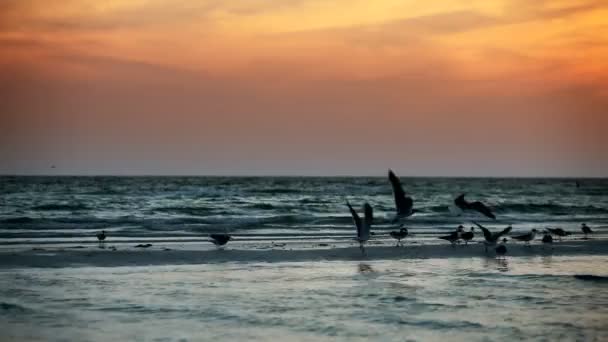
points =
(404, 208)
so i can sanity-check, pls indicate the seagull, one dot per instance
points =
(547, 238)
(454, 236)
(492, 238)
(403, 203)
(363, 227)
(526, 237)
(468, 236)
(586, 230)
(400, 234)
(501, 249)
(559, 232)
(220, 239)
(101, 236)
(461, 203)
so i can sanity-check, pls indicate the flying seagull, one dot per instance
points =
(586, 230)
(220, 239)
(454, 236)
(363, 227)
(559, 232)
(400, 234)
(403, 203)
(468, 236)
(492, 238)
(526, 237)
(461, 203)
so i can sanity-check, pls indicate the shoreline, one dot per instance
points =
(72, 257)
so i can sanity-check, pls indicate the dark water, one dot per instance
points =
(43, 209)
(456, 299)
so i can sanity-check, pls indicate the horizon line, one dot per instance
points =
(296, 176)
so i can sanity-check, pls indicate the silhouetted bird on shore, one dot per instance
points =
(454, 236)
(220, 239)
(403, 203)
(501, 249)
(461, 203)
(547, 239)
(468, 236)
(101, 236)
(492, 238)
(586, 230)
(399, 235)
(363, 227)
(559, 232)
(526, 237)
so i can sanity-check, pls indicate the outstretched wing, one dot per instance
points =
(403, 203)
(356, 218)
(461, 202)
(482, 208)
(504, 232)
(486, 233)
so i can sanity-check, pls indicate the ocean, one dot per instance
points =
(68, 210)
(294, 272)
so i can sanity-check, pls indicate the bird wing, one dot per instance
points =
(367, 223)
(486, 233)
(482, 208)
(461, 202)
(403, 203)
(497, 236)
(356, 218)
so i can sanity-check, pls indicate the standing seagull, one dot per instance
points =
(101, 236)
(501, 249)
(547, 239)
(403, 203)
(492, 238)
(220, 239)
(400, 234)
(559, 232)
(363, 227)
(468, 236)
(454, 236)
(586, 230)
(526, 237)
(476, 206)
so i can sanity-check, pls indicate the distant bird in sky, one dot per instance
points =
(492, 238)
(526, 237)
(363, 226)
(586, 230)
(220, 239)
(454, 236)
(559, 232)
(461, 203)
(403, 203)
(399, 235)
(501, 249)
(468, 236)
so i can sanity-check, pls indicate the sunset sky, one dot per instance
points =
(304, 87)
